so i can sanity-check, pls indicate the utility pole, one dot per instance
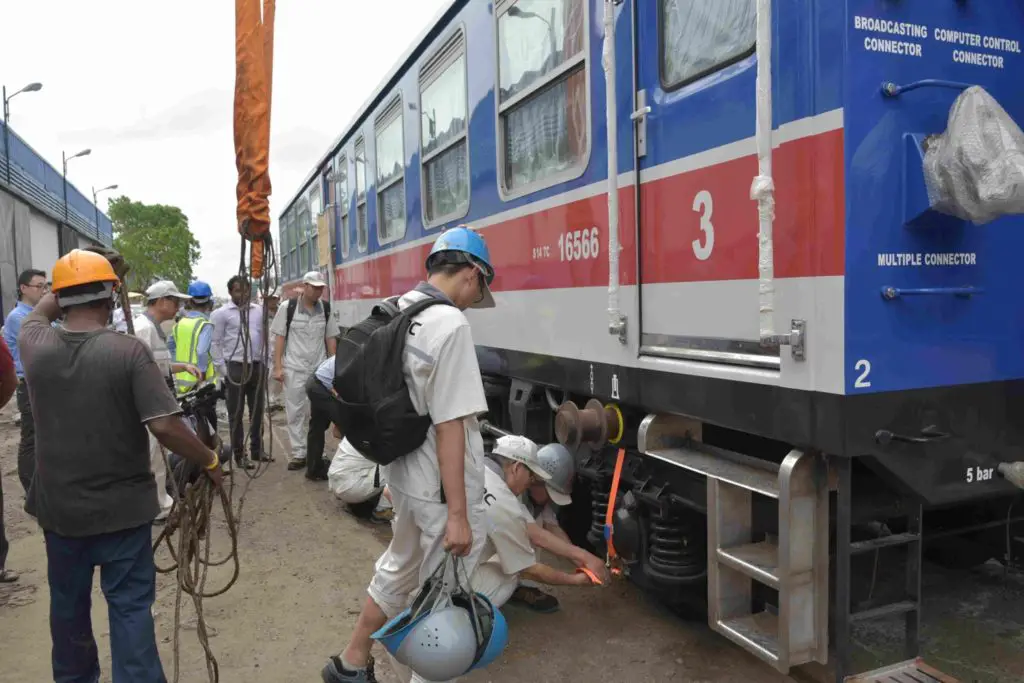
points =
(31, 87)
(66, 159)
(96, 205)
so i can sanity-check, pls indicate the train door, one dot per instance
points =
(695, 72)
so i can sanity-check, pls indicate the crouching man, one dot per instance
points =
(359, 483)
(513, 534)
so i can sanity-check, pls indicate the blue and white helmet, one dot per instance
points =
(466, 245)
(447, 632)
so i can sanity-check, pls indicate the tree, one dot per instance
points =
(155, 241)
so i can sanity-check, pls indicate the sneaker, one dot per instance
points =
(8, 576)
(335, 672)
(299, 464)
(535, 599)
(383, 516)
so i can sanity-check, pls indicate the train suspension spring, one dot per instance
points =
(676, 546)
(599, 496)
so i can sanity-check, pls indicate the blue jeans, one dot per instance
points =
(128, 580)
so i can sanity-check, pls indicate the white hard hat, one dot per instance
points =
(521, 449)
(558, 462)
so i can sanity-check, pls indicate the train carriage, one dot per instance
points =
(787, 318)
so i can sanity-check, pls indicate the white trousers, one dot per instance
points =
(354, 479)
(296, 411)
(159, 469)
(415, 552)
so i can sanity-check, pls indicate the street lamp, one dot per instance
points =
(95, 204)
(31, 87)
(66, 159)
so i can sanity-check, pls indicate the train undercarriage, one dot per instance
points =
(782, 550)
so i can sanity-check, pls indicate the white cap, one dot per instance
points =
(164, 288)
(313, 278)
(275, 293)
(523, 450)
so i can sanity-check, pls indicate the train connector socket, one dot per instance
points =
(596, 425)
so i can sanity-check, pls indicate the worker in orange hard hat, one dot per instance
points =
(94, 394)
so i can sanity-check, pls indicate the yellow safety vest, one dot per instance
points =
(186, 350)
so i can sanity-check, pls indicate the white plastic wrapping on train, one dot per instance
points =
(975, 169)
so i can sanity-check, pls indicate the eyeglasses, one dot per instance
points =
(485, 271)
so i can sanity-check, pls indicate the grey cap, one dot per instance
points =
(164, 288)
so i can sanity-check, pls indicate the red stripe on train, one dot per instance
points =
(553, 248)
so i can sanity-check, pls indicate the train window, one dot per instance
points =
(315, 209)
(341, 201)
(287, 241)
(443, 134)
(390, 155)
(544, 118)
(362, 232)
(702, 36)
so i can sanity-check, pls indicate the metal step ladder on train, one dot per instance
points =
(795, 564)
(913, 669)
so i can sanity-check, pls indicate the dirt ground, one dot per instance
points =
(305, 564)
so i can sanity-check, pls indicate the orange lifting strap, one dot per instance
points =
(611, 556)
(254, 58)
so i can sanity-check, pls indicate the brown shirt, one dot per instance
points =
(91, 394)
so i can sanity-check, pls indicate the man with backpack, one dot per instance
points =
(434, 458)
(305, 337)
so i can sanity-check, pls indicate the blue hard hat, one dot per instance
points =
(469, 242)
(200, 290)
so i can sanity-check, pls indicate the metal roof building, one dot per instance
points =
(36, 228)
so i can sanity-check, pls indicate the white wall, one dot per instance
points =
(44, 242)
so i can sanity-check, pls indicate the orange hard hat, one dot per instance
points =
(79, 267)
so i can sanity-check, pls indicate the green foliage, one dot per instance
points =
(155, 241)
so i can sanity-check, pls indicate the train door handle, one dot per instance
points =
(640, 113)
(927, 435)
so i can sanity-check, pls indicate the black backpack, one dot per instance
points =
(376, 411)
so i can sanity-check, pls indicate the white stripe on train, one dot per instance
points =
(572, 323)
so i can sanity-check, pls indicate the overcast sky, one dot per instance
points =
(148, 87)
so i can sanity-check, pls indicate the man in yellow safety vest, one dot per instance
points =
(191, 339)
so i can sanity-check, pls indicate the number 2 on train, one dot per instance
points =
(579, 244)
(864, 368)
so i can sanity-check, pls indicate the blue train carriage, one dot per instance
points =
(790, 298)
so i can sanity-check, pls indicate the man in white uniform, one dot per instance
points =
(352, 479)
(273, 301)
(164, 300)
(299, 348)
(509, 554)
(437, 489)
(542, 500)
